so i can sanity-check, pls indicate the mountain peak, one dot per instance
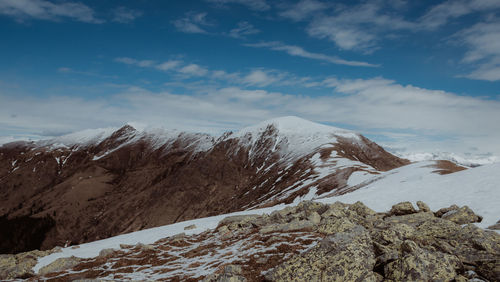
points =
(296, 125)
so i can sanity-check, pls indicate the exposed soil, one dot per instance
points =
(114, 187)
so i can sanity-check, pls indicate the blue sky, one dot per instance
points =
(413, 75)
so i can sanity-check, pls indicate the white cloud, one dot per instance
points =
(192, 23)
(260, 78)
(168, 65)
(440, 14)
(194, 70)
(242, 30)
(125, 15)
(47, 10)
(442, 120)
(358, 27)
(300, 52)
(256, 77)
(257, 5)
(483, 43)
(134, 62)
(303, 9)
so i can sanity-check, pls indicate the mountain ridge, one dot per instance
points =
(130, 179)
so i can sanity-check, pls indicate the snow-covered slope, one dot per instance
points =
(293, 136)
(101, 176)
(477, 187)
(466, 160)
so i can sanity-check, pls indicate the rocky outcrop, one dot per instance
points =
(311, 242)
(344, 256)
(60, 264)
(21, 265)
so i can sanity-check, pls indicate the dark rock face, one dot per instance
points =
(24, 233)
(131, 181)
(350, 242)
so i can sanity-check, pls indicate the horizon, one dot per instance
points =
(413, 77)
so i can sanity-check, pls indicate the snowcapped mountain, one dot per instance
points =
(96, 184)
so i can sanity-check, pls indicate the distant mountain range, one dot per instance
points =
(95, 184)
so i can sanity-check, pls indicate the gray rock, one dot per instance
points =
(291, 226)
(495, 226)
(238, 221)
(462, 215)
(442, 211)
(106, 252)
(345, 256)
(189, 227)
(417, 264)
(403, 208)
(233, 269)
(314, 217)
(423, 207)
(60, 264)
(361, 209)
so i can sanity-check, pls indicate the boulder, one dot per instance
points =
(333, 225)
(21, 265)
(291, 226)
(145, 247)
(238, 221)
(189, 227)
(423, 207)
(314, 217)
(344, 256)
(361, 209)
(414, 219)
(106, 252)
(233, 269)
(60, 264)
(417, 264)
(490, 269)
(462, 215)
(402, 209)
(310, 206)
(336, 209)
(442, 211)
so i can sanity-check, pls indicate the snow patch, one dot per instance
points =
(474, 187)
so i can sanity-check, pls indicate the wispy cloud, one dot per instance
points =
(440, 14)
(358, 27)
(47, 10)
(260, 78)
(303, 9)
(254, 77)
(168, 65)
(483, 43)
(134, 62)
(257, 5)
(125, 15)
(192, 23)
(242, 30)
(194, 70)
(300, 52)
(362, 26)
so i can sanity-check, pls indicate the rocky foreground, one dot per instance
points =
(311, 241)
